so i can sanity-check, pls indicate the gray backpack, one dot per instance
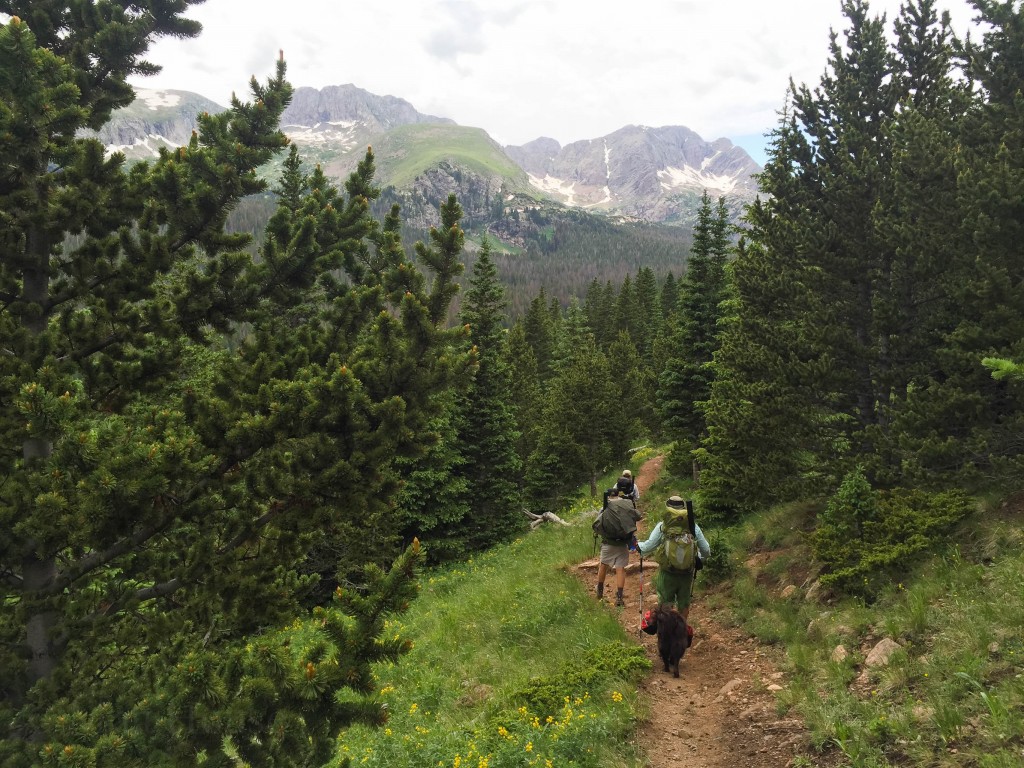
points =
(615, 523)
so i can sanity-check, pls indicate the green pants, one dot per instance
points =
(674, 587)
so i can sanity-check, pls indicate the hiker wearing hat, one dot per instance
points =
(678, 544)
(617, 533)
(633, 492)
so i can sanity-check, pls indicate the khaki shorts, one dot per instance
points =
(615, 555)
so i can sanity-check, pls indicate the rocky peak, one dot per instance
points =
(349, 104)
(648, 173)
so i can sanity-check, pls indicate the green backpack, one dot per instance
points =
(677, 552)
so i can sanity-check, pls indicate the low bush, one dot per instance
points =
(865, 539)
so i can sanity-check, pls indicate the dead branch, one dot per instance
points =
(538, 520)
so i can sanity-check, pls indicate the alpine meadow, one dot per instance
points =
(315, 495)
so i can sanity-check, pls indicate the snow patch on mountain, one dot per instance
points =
(331, 132)
(673, 178)
(551, 185)
(149, 146)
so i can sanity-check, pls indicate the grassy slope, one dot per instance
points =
(406, 151)
(503, 667)
(952, 696)
(494, 639)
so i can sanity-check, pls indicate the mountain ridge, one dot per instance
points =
(636, 173)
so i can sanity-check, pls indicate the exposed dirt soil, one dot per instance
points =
(720, 712)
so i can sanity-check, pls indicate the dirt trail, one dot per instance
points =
(720, 712)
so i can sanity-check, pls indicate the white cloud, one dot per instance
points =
(568, 70)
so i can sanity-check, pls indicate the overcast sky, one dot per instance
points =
(521, 69)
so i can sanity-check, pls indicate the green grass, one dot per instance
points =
(954, 694)
(406, 151)
(513, 664)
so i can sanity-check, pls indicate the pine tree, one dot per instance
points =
(579, 433)
(978, 432)
(649, 307)
(685, 381)
(163, 487)
(635, 413)
(627, 309)
(669, 296)
(525, 395)
(435, 504)
(574, 332)
(539, 333)
(863, 300)
(595, 306)
(765, 428)
(489, 436)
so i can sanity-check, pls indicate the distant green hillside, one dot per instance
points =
(406, 151)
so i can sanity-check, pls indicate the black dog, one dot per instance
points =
(673, 636)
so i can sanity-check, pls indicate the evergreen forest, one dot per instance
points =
(229, 461)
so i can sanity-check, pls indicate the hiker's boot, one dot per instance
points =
(620, 601)
(600, 590)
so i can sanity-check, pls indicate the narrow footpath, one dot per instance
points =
(720, 712)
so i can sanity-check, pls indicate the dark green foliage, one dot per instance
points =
(488, 435)
(185, 425)
(866, 539)
(684, 382)
(524, 388)
(587, 247)
(579, 432)
(540, 334)
(635, 412)
(877, 275)
(720, 566)
(435, 504)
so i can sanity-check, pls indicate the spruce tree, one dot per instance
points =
(685, 381)
(164, 483)
(636, 413)
(864, 299)
(669, 296)
(579, 433)
(595, 305)
(540, 334)
(525, 395)
(488, 437)
(649, 307)
(980, 432)
(765, 429)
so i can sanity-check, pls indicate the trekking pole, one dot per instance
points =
(639, 629)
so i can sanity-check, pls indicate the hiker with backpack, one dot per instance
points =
(678, 546)
(616, 527)
(633, 492)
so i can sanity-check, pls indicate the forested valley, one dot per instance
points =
(225, 465)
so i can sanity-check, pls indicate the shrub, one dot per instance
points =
(721, 565)
(865, 538)
(545, 695)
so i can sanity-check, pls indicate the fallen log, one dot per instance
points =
(538, 520)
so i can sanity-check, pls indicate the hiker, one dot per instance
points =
(622, 515)
(633, 492)
(678, 545)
